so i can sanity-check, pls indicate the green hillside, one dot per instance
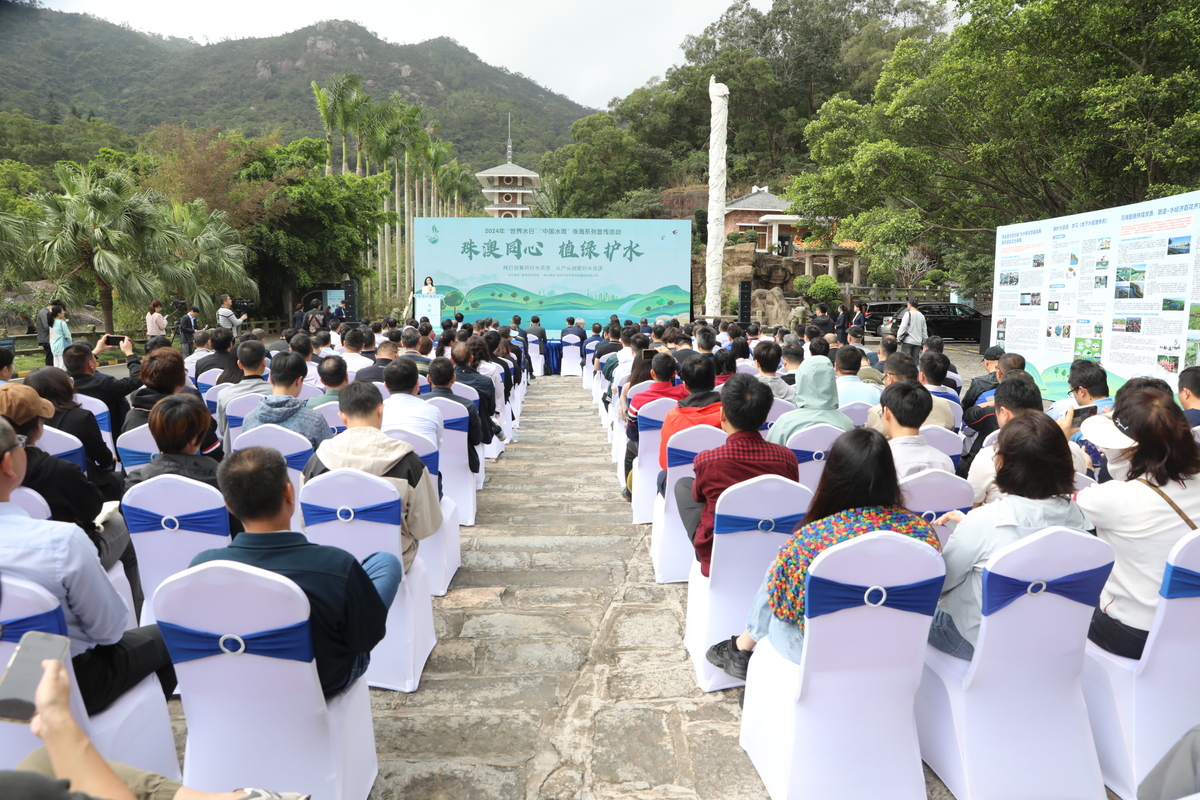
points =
(502, 300)
(137, 81)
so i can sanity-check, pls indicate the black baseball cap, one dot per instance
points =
(993, 353)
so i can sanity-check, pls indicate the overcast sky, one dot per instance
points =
(590, 51)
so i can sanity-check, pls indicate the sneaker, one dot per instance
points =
(626, 496)
(263, 794)
(726, 656)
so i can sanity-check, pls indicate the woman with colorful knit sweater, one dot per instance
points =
(858, 493)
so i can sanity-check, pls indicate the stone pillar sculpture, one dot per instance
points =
(718, 93)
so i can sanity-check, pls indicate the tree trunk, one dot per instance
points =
(345, 147)
(399, 223)
(386, 248)
(106, 303)
(408, 222)
(329, 152)
(358, 167)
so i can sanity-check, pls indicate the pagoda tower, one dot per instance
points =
(509, 188)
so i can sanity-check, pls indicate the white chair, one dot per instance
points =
(207, 379)
(33, 503)
(779, 407)
(589, 366)
(954, 381)
(1011, 722)
(932, 492)
(294, 448)
(211, 394)
(671, 549)
(470, 393)
(309, 392)
(644, 479)
(1139, 708)
(948, 442)
(617, 435)
(1196, 434)
(991, 439)
(318, 746)
(1082, 482)
(571, 354)
(366, 520)
(103, 418)
(753, 520)
(171, 520)
(61, 444)
(330, 412)
(856, 679)
(136, 448)
(811, 446)
(747, 369)
(537, 359)
(236, 411)
(383, 390)
(957, 410)
(458, 482)
(857, 412)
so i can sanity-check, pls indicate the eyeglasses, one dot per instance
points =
(20, 445)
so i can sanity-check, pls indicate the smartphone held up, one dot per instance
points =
(18, 686)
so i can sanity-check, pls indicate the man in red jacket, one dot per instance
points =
(702, 406)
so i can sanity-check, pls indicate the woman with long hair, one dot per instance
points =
(156, 323)
(60, 335)
(725, 364)
(427, 287)
(70, 417)
(858, 493)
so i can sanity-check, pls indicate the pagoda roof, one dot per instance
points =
(758, 200)
(508, 168)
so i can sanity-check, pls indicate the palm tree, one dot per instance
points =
(437, 156)
(326, 108)
(209, 258)
(345, 97)
(367, 120)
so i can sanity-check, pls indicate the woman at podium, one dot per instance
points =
(428, 287)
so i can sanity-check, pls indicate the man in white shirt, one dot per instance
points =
(202, 350)
(59, 557)
(405, 409)
(846, 363)
(905, 406)
(901, 368)
(354, 341)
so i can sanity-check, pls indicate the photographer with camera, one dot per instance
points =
(187, 331)
(227, 319)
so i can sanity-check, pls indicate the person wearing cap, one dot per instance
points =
(1150, 504)
(984, 383)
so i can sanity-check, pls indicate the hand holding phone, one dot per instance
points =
(113, 341)
(20, 686)
(1083, 413)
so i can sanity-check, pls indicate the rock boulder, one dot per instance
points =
(769, 306)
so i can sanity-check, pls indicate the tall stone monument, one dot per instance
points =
(718, 93)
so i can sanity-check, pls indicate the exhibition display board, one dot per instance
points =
(1114, 286)
(557, 268)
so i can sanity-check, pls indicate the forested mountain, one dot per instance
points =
(257, 86)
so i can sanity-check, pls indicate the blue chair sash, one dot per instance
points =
(1179, 582)
(104, 420)
(678, 457)
(133, 458)
(425, 389)
(210, 520)
(955, 459)
(388, 513)
(460, 424)
(75, 456)
(804, 456)
(293, 643)
(212, 405)
(731, 523)
(52, 621)
(1083, 587)
(432, 462)
(234, 421)
(299, 459)
(930, 516)
(337, 428)
(824, 596)
(203, 387)
(649, 424)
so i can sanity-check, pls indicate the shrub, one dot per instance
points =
(825, 289)
(881, 275)
(935, 277)
(803, 283)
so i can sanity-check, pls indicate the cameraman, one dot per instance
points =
(187, 331)
(226, 318)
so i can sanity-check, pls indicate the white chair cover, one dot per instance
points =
(294, 447)
(855, 682)
(207, 379)
(458, 482)
(671, 548)
(537, 359)
(211, 395)
(397, 661)
(1012, 721)
(589, 366)
(61, 444)
(237, 409)
(469, 393)
(571, 364)
(957, 410)
(383, 390)
(330, 412)
(103, 418)
(309, 392)
(33, 503)
(645, 467)
(991, 438)
(718, 606)
(326, 748)
(811, 446)
(1083, 481)
(747, 369)
(779, 407)
(955, 381)
(136, 448)
(180, 503)
(932, 492)
(617, 432)
(948, 442)
(856, 411)
(1139, 708)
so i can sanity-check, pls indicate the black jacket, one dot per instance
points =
(374, 372)
(487, 396)
(139, 414)
(111, 391)
(66, 489)
(474, 426)
(81, 423)
(187, 329)
(984, 383)
(215, 361)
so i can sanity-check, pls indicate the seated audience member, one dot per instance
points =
(981, 417)
(901, 368)
(485, 365)
(706, 341)
(405, 408)
(869, 375)
(986, 382)
(80, 362)
(1189, 394)
(384, 355)
(252, 361)
(441, 379)
(816, 402)
(793, 357)
(6, 365)
(1146, 508)
(858, 493)
(354, 341)
(850, 388)
(724, 365)
(410, 340)
(1015, 395)
(163, 375)
(855, 336)
(284, 407)
(466, 374)
(745, 403)
(905, 406)
(281, 344)
(108, 660)
(937, 345)
(768, 355)
(1006, 362)
(364, 446)
(179, 424)
(348, 601)
(69, 417)
(222, 342)
(662, 375)
(820, 347)
(1088, 384)
(701, 406)
(933, 370)
(740, 349)
(1036, 479)
(157, 343)
(332, 372)
(201, 350)
(888, 347)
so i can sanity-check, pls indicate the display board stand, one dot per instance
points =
(428, 305)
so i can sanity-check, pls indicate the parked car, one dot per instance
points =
(877, 312)
(947, 320)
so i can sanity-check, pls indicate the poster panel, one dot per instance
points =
(557, 268)
(1114, 286)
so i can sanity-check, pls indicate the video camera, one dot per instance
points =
(180, 306)
(242, 306)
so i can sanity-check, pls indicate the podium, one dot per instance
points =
(428, 305)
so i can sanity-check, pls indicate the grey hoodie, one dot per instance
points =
(816, 402)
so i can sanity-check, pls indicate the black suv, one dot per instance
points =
(876, 312)
(947, 320)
